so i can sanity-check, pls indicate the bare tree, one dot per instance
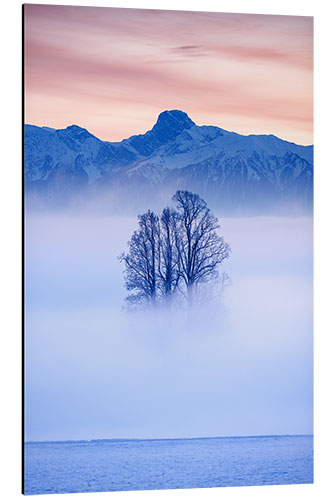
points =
(200, 249)
(172, 255)
(168, 263)
(141, 262)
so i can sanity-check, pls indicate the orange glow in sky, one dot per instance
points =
(113, 71)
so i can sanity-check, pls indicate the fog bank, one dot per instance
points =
(95, 371)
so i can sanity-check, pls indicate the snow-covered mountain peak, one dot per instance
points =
(236, 174)
(169, 125)
(175, 120)
(75, 132)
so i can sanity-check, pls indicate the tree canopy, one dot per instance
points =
(171, 255)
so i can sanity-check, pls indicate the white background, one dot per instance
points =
(10, 248)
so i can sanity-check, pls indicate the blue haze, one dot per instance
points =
(93, 371)
(236, 174)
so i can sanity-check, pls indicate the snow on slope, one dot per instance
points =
(231, 170)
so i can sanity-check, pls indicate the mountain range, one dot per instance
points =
(235, 174)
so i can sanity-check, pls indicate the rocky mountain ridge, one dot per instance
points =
(236, 174)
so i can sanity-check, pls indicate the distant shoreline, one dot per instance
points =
(117, 440)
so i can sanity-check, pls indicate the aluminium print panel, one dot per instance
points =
(168, 190)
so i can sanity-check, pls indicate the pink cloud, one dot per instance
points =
(139, 62)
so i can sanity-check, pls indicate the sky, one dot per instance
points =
(113, 71)
(93, 371)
